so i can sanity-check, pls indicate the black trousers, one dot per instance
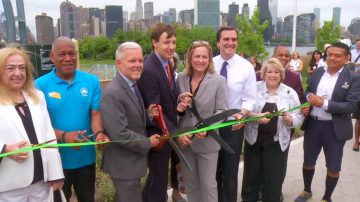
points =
(83, 180)
(155, 189)
(228, 165)
(263, 164)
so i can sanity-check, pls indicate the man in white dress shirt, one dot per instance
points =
(241, 90)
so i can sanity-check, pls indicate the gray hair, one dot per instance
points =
(126, 45)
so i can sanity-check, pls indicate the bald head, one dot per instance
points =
(282, 53)
(61, 40)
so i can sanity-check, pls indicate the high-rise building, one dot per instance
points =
(172, 15)
(245, 10)
(186, 17)
(336, 16)
(21, 21)
(148, 10)
(305, 32)
(139, 13)
(44, 29)
(273, 7)
(317, 18)
(114, 20)
(10, 21)
(95, 17)
(125, 19)
(233, 12)
(265, 14)
(67, 19)
(288, 27)
(207, 13)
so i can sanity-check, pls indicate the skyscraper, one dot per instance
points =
(21, 21)
(265, 14)
(10, 21)
(336, 16)
(305, 32)
(67, 19)
(317, 18)
(148, 10)
(273, 6)
(233, 12)
(44, 29)
(114, 20)
(95, 18)
(207, 13)
(139, 13)
(245, 10)
(186, 17)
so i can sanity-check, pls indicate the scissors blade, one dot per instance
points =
(217, 118)
(180, 154)
(180, 131)
(222, 142)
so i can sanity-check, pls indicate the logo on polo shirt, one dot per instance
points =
(55, 95)
(84, 91)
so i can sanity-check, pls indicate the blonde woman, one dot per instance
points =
(24, 121)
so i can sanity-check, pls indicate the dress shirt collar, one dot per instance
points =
(162, 61)
(337, 73)
(128, 81)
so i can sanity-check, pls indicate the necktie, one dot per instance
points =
(138, 95)
(168, 70)
(223, 70)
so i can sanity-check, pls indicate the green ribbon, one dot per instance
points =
(212, 127)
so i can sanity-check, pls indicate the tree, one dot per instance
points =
(329, 33)
(95, 48)
(251, 40)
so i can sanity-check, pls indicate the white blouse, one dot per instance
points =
(285, 98)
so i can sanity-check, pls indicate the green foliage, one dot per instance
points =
(142, 38)
(251, 38)
(95, 48)
(329, 33)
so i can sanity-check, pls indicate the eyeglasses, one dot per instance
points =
(200, 42)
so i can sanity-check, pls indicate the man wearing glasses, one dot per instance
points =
(241, 90)
(73, 101)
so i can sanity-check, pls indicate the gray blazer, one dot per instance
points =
(211, 98)
(124, 120)
(343, 101)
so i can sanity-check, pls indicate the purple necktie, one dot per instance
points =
(223, 70)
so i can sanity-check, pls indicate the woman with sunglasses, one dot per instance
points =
(25, 122)
(209, 97)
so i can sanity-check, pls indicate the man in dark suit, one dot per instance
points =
(124, 119)
(333, 93)
(157, 86)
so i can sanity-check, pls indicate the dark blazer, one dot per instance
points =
(343, 101)
(124, 119)
(155, 89)
(293, 80)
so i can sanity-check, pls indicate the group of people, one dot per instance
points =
(67, 105)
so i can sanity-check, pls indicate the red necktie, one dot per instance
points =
(168, 70)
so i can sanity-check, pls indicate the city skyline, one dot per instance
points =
(285, 7)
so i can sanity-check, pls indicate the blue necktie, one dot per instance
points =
(223, 70)
(137, 93)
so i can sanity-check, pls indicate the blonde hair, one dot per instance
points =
(196, 44)
(28, 86)
(272, 62)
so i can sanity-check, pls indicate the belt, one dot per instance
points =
(319, 118)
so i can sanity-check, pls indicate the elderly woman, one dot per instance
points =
(268, 138)
(209, 97)
(24, 121)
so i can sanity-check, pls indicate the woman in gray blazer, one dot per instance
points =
(24, 121)
(209, 95)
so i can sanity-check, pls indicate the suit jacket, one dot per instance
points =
(293, 80)
(124, 120)
(343, 101)
(155, 89)
(210, 99)
(16, 175)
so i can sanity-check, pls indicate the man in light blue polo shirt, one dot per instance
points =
(73, 99)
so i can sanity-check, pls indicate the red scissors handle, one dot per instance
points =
(161, 122)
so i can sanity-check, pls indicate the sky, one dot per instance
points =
(349, 8)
